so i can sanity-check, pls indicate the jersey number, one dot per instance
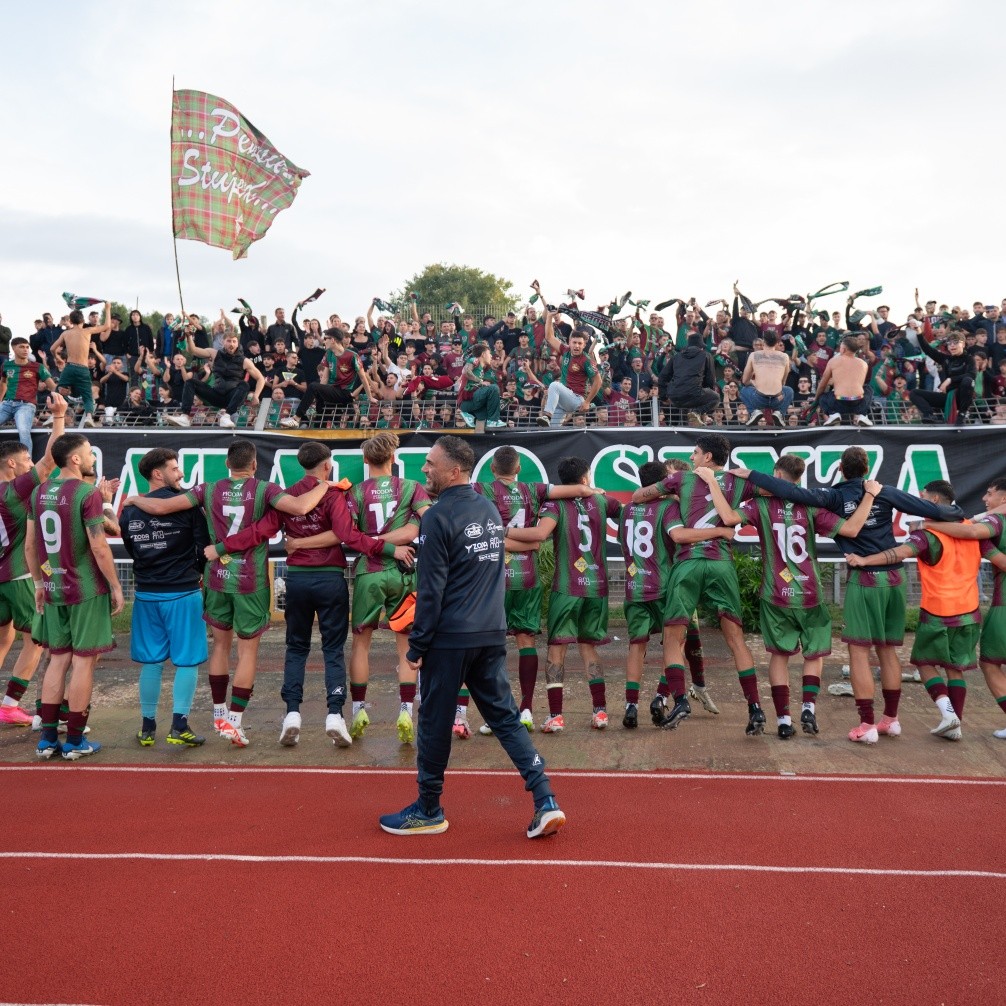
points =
(586, 536)
(639, 538)
(52, 531)
(791, 540)
(236, 515)
(517, 520)
(382, 514)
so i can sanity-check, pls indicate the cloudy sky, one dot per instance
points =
(609, 146)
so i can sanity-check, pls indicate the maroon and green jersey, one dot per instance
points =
(576, 372)
(579, 544)
(697, 510)
(382, 504)
(343, 369)
(23, 380)
(231, 505)
(473, 381)
(15, 498)
(644, 532)
(518, 504)
(63, 510)
(787, 533)
(997, 543)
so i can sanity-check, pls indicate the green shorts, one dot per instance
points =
(523, 611)
(248, 615)
(83, 629)
(789, 630)
(577, 619)
(937, 644)
(17, 603)
(712, 581)
(644, 619)
(994, 636)
(377, 592)
(875, 608)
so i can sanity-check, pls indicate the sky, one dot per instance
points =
(664, 149)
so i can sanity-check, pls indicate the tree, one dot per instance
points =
(476, 291)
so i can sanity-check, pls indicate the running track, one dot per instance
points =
(138, 886)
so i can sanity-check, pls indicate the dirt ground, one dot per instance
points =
(704, 742)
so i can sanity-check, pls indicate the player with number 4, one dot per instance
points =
(704, 571)
(793, 614)
(237, 594)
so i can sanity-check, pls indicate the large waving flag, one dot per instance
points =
(228, 181)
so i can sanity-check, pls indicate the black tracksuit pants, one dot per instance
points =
(482, 670)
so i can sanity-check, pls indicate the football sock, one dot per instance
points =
(184, 690)
(632, 693)
(675, 674)
(811, 687)
(749, 684)
(892, 696)
(958, 689)
(780, 699)
(527, 674)
(150, 690)
(865, 709)
(15, 689)
(693, 656)
(597, 693)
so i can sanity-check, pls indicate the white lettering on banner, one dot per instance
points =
(230, 183)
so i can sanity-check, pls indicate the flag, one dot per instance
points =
(75, 303)
(228, 181)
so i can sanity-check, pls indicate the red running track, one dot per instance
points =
(680, 888)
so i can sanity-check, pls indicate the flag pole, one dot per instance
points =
(174, 236)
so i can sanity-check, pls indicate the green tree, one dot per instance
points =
(476, 291)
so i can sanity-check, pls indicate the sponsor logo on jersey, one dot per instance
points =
(474, 531)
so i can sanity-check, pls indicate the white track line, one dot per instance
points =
(656, 776)
(603, 864)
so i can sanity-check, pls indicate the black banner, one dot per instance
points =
(905, 457)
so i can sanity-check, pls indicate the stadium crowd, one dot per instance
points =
(729, 363)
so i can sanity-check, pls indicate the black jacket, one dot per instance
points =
(167, 552)
(461, 575)
(686, 372)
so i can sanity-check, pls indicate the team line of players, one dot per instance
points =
(675, 538)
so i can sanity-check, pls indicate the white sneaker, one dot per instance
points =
(999, 734)
(88, 420)
(290, 423)
(289, 736)
(864, 421)
(486, 730)
(527, 720)
(335, 727)
(177, 419)
(48, 421)
(468, 419)
(704, 697)
(947, 725)
(225, 421)
(833, 419)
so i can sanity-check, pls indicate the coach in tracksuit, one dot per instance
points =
(459, 639)
(167, 554)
